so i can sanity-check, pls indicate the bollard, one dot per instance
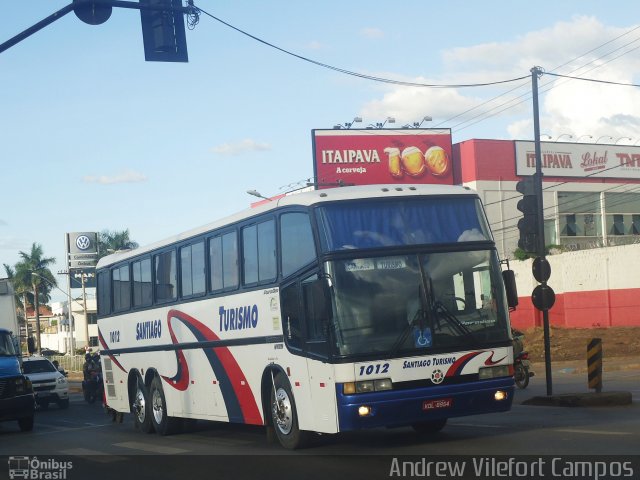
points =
(594, 364)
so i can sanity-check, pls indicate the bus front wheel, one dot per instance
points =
(141, 408)
(163, 424)
(285, 416)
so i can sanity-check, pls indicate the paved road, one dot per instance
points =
(85, 433)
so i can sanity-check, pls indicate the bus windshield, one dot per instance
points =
(402, 221)
(409, 304)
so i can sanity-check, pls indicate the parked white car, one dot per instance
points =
(49, 385)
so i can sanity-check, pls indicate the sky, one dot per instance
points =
(94, 138)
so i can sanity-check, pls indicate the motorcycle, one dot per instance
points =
(92, 389)
(521, 364)
(522, 372)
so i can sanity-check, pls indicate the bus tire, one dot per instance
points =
(285, 416)
(430, 426)
(141, 408)
(162, 423)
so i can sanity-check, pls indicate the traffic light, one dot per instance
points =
(93, 13)
(163, 32)
(528, 224)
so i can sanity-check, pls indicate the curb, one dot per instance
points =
(590, 399)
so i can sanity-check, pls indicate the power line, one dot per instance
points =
(608, 82)
(527, 95)
(356, 74)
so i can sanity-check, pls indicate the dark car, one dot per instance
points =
(17, 401)
(47, 352)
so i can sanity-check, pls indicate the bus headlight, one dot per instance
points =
(499, 396)
(364, 410)
(382, 384)
(367, 386)
(493, 372)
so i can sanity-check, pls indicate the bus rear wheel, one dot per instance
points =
(162, 423)
(141, 407)
(285, 416)
(431, 426)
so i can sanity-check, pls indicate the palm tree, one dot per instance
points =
(33, 270)
(112, 241)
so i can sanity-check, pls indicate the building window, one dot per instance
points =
(92, 318)
(622, 214)
(580, 215)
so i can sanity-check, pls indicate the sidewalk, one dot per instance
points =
(570, 384)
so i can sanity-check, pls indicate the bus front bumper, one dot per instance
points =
(16, 407)
(397, 408)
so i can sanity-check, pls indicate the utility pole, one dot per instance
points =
(37, 312)
(84, 308)
(543, 296)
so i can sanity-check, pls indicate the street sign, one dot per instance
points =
(83, 262)
(541, 269)
(543, 297)
(75, 277)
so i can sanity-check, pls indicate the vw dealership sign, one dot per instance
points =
(82, 250)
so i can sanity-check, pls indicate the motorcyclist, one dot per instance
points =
(518, 344)
(88, 367)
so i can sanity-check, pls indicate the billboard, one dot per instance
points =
(379, 156)
(579, 160)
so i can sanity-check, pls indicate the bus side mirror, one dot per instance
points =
(509, 279)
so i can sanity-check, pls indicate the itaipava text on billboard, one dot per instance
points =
(382, 156)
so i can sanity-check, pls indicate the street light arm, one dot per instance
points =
(55, 286)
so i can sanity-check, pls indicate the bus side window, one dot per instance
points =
(291, 316)
(296, 242)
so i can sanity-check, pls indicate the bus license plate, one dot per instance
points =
(440, 403)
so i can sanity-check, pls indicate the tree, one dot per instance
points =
(112, 241)
(33, 270)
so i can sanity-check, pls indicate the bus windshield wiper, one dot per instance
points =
(441, 311)
(419, 319)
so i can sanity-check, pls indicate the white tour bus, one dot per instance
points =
(324, 311)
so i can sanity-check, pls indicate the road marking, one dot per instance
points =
(93, 455)
(476, 425)
(145, 447)
(591, 432)
(60, 429)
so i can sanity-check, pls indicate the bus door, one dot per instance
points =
(306, 312)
